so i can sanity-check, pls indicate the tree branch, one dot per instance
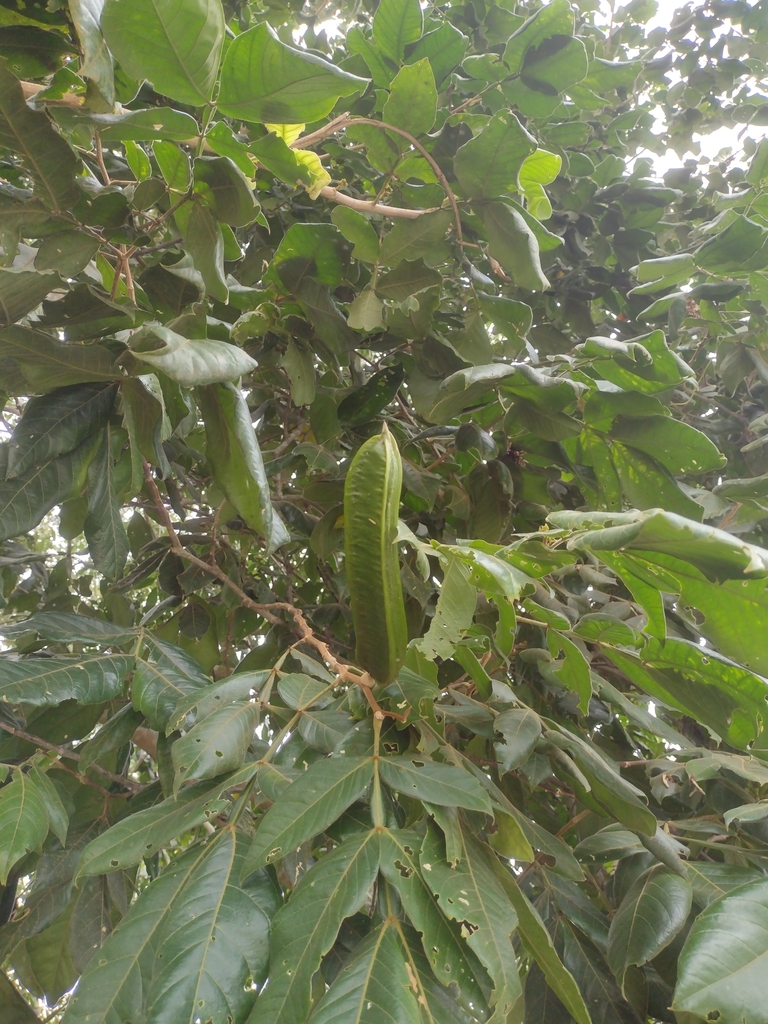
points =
(71, 755)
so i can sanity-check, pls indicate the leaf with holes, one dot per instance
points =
(217, 744)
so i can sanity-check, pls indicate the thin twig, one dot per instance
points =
(72, 755)
(347, 122)
(371, 207)
(100, 159)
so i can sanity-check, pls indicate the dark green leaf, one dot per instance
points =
(396, 24)
(23, 821)
(104, 529)
(514, 245)
(46, 156)
(424, 779)
(488, 165)
(309, 805)
(41, 681)
(216, 744)
(67, 252)
(412, 101)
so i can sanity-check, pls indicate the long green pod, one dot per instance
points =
(371, 504)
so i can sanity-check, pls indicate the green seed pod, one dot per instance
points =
(371, 503)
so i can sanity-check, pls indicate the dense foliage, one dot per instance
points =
(235, 242)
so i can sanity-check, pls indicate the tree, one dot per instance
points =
(262, 256)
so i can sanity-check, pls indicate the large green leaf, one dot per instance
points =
(718, 554)
(412, 101)
(213, 946)
(23, 820)
(308, 806)
(305, 929)
(226, 190)
(57, 423)
(721, 971)
(264, 80)
(677, 446)
(216, 744)
(195, 940)
(448, 955)
(514, 245)
(47, 158)
(235, 457)
(414, 239)
(651, 914)
(719, 693)
(21, 291)
(48, 364)
(471, 893)
(162, 680)
(71, 628)
(144, 832)
(42, 681)
(373, 987)
(425, 779)
(204, 242)
(396, 24)
(174, 43)
(104, 529)
(190, 361)
(14, 1008)
(489, 164)
(538, 942)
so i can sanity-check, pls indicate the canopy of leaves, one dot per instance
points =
(235, 239)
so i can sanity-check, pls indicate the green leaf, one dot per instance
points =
(412, 101)
(67, 252)
(651, 914)
(738, 247)
(215, 696)
(710, 880)
(309, 805)
(645, 364)
(444, 47)
(204, 242)
(625, 801)
(21, 291)
(233, 452)
(71, 628)
(721, 969)
(396, 24)
(214, 941)
(722, 695)
(489, 164)
(190, 361)
(56, 424)
(148, 125)
(471, 893)
(47, 158)
(14, 1008)
(23, 821)
(357, 228)
(301, 692)
(424, 779)
(264, 80)
(104, 529)
(521, 729)
(453, 614)
(679, 447)
(174, 43)
(514, 245)
(58, 819)
(411, 239)
(299, 364)
(195, 941)
(158, 684)
(366, 311)
(574, 672)
(216, 744)
(448, 956)
(306, 928)
(373, 987)
(49, 364)
(25, 500)
(44, 681)
(539, 944)
(226, 190)
(644, 484)
(146, 831)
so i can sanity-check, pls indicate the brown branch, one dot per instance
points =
(72, 755)
(344, 121)
(371, 207)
